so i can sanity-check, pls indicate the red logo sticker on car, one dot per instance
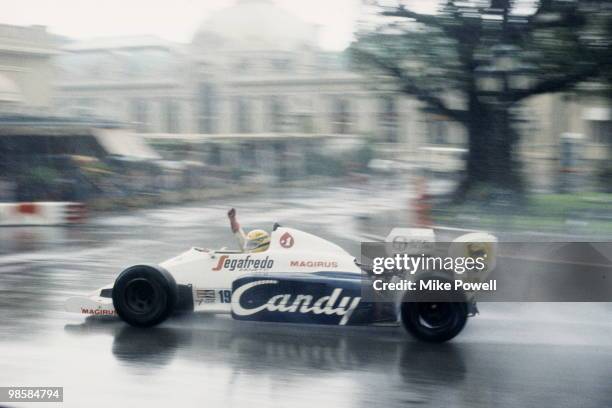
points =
(286, 240)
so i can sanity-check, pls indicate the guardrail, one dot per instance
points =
(41, 213)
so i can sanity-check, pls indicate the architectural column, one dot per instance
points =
(157, 116)
(370, 112)
(321, 113)
(258, 114)
(404, 114)
(266, 158)
(364, 121)
(413, 125)
(187, 116)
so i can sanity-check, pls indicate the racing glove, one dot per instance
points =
(231, 214)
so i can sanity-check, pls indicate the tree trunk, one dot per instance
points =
(491, 166)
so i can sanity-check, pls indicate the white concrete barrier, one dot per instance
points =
(41, 213)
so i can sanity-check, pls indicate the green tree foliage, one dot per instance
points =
(475, 62)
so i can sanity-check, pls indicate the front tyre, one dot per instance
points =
(145, 295)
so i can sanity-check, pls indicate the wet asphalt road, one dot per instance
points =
(512, 355)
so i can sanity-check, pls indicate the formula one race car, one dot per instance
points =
(301, 278)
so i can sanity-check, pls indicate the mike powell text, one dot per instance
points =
(435, 285)
(411, 264)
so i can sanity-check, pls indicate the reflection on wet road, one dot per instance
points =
(513, 355)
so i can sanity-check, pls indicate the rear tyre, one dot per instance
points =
(435, 322)
(144, 295)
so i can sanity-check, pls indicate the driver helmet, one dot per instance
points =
(257, 241)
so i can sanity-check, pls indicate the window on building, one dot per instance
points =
(601, 131)
(437, 129)
(139, 114)
(281, 64)
(280, 155)
(242, 115)
(341, 116)
(305, 123)
(207, 109)
(248, 155)
(86, 107)
(276, 114)
(214, 155)
(171, 116)
(243, 66)
(388, 119)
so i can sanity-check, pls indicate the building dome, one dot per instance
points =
(9, 91)
(256, 25)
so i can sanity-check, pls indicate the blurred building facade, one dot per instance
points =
(251, 68)
(567, 133)
(26, 68)
(254, 71)
(138, 81)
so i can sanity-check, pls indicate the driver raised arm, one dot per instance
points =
(255, 241)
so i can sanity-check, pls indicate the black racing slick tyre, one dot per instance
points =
(435, 321)
(145, 295)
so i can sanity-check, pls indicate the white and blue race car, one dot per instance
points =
(300, 278)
